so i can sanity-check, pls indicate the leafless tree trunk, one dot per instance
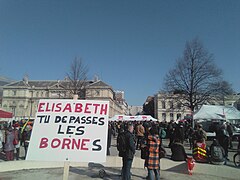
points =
(76, 78)
(195, 77)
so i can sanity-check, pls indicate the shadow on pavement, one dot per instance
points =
(94, 169)
(181, 168)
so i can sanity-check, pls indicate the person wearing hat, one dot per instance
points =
(8, 146)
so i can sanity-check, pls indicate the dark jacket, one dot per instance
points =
(178, 152)
(130, 149)
(230, 130)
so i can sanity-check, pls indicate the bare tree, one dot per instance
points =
(77, 77)
(223, 88)
(195, 77)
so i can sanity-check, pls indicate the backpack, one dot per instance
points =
(121, 143)
(162, 133)
(217, 153)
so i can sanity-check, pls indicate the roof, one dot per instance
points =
(4, 81)
(217, 112)
(41, 83)
(99, 83)
(32, 83)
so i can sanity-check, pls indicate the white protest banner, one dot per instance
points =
(69, 130)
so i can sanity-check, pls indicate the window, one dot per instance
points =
(164, 116)
(97, 92)
(163, 105)
(171, 105)
(179, 116)
(14, 92)
(179, 105)
(171, 116)
(21, 106)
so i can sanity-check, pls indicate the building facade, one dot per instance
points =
(3, 82)
(135, 110)
(167, 107)
(22, 97)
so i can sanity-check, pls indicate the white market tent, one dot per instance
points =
(214, 112)
(132, 118)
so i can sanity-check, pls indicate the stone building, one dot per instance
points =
(3, 82)
(22, 97)
(167, 108)
(135, 110)
(119, 96)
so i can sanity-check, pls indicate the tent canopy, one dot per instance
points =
(5, 114)
(217, 112)
(132, 118)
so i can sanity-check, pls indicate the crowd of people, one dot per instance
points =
(12, 136)
(147, 137)
(143, 136)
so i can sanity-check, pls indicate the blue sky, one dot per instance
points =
(129, 44)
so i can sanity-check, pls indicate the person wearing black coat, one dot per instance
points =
(129, 154)
(178, 151)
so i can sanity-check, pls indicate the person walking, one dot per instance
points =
(140, 134)
(152, 161)
(129, 153)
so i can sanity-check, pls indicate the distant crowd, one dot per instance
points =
(12, 136)
(139, 135)
(147, 137)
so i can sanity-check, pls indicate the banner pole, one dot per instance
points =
(67, 163)
(66, 170)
